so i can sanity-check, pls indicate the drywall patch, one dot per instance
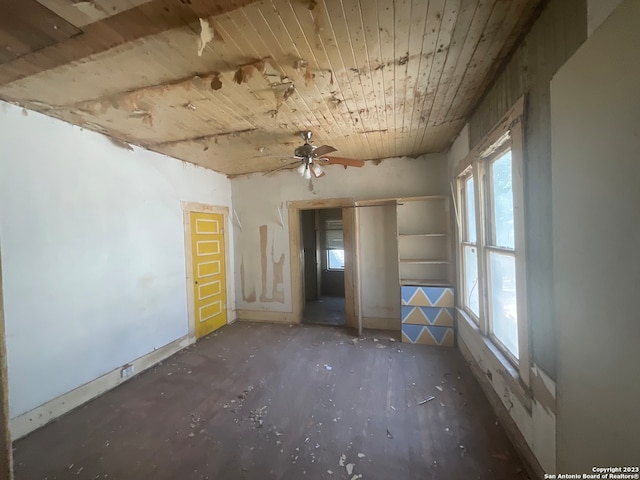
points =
(272, 288)
(251, 297)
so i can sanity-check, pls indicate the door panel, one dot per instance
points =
(209, 282)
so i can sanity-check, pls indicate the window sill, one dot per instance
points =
(506, 370)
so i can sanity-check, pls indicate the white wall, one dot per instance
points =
(257, 197)
(379, 265)
(93, 257)
(595, 102)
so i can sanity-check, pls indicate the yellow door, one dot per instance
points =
(209, 286)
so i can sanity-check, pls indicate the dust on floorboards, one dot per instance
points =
(260, 401)
(325, 311)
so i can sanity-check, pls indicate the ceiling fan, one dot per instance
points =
(312, 159)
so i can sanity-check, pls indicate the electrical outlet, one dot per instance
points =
(126, 371)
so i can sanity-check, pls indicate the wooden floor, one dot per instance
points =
(325, 311)
(259, 401)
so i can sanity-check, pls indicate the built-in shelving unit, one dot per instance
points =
(424, 266)
(425, 270)
(424, 245)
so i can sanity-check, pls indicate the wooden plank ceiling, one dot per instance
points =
(373, 78)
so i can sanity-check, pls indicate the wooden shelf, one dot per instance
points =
(401, 235)
(421, 199)
(424, 261)
(422, 282)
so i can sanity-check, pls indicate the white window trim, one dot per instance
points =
(462, 179)
(507, 134)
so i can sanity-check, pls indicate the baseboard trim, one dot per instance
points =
(377, 323)
(266, 316)
(533, 467)
(40, 416)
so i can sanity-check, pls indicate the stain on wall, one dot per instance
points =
(271, 270)
(251, 297)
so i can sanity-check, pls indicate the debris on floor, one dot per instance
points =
(349, 467)
(439, 388)
(256, 417)
(343, 457)
(428, 399)
(328, 367)
(389, 434)
(361, 455)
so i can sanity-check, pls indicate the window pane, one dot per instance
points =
(471, 210)
(502, 197)
(503, 300)
(335, 259)
(471, 297)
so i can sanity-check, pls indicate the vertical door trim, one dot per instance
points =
(6, 452)
(350, 276)
(358, 272)
(194, 207)
(295, 253)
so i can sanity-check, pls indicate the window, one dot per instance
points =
(335, 259)
(491, 243)
(471, 298)
(500, 246)
(335, 245)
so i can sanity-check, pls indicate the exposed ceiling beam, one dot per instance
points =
(129, 98)
(148, 19)
(203, 138)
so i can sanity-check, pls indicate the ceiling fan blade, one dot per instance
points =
(315, 175)
(281, 167)
(347, 162)
(323, 150)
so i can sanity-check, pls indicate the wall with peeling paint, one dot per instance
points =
(257, 199)
(93, 255)
(596, 231)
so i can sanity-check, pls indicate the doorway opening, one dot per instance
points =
(323, 266)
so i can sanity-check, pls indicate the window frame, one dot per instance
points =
(332, 226)
(464, 242)
(491, 244)
(327, 253)
(507, 135)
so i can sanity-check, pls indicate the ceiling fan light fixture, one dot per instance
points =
(307, 173)
(301, 169)
(317, 169)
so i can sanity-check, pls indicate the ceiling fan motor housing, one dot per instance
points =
(304, 151)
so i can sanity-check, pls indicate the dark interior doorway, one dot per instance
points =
(323, 266)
